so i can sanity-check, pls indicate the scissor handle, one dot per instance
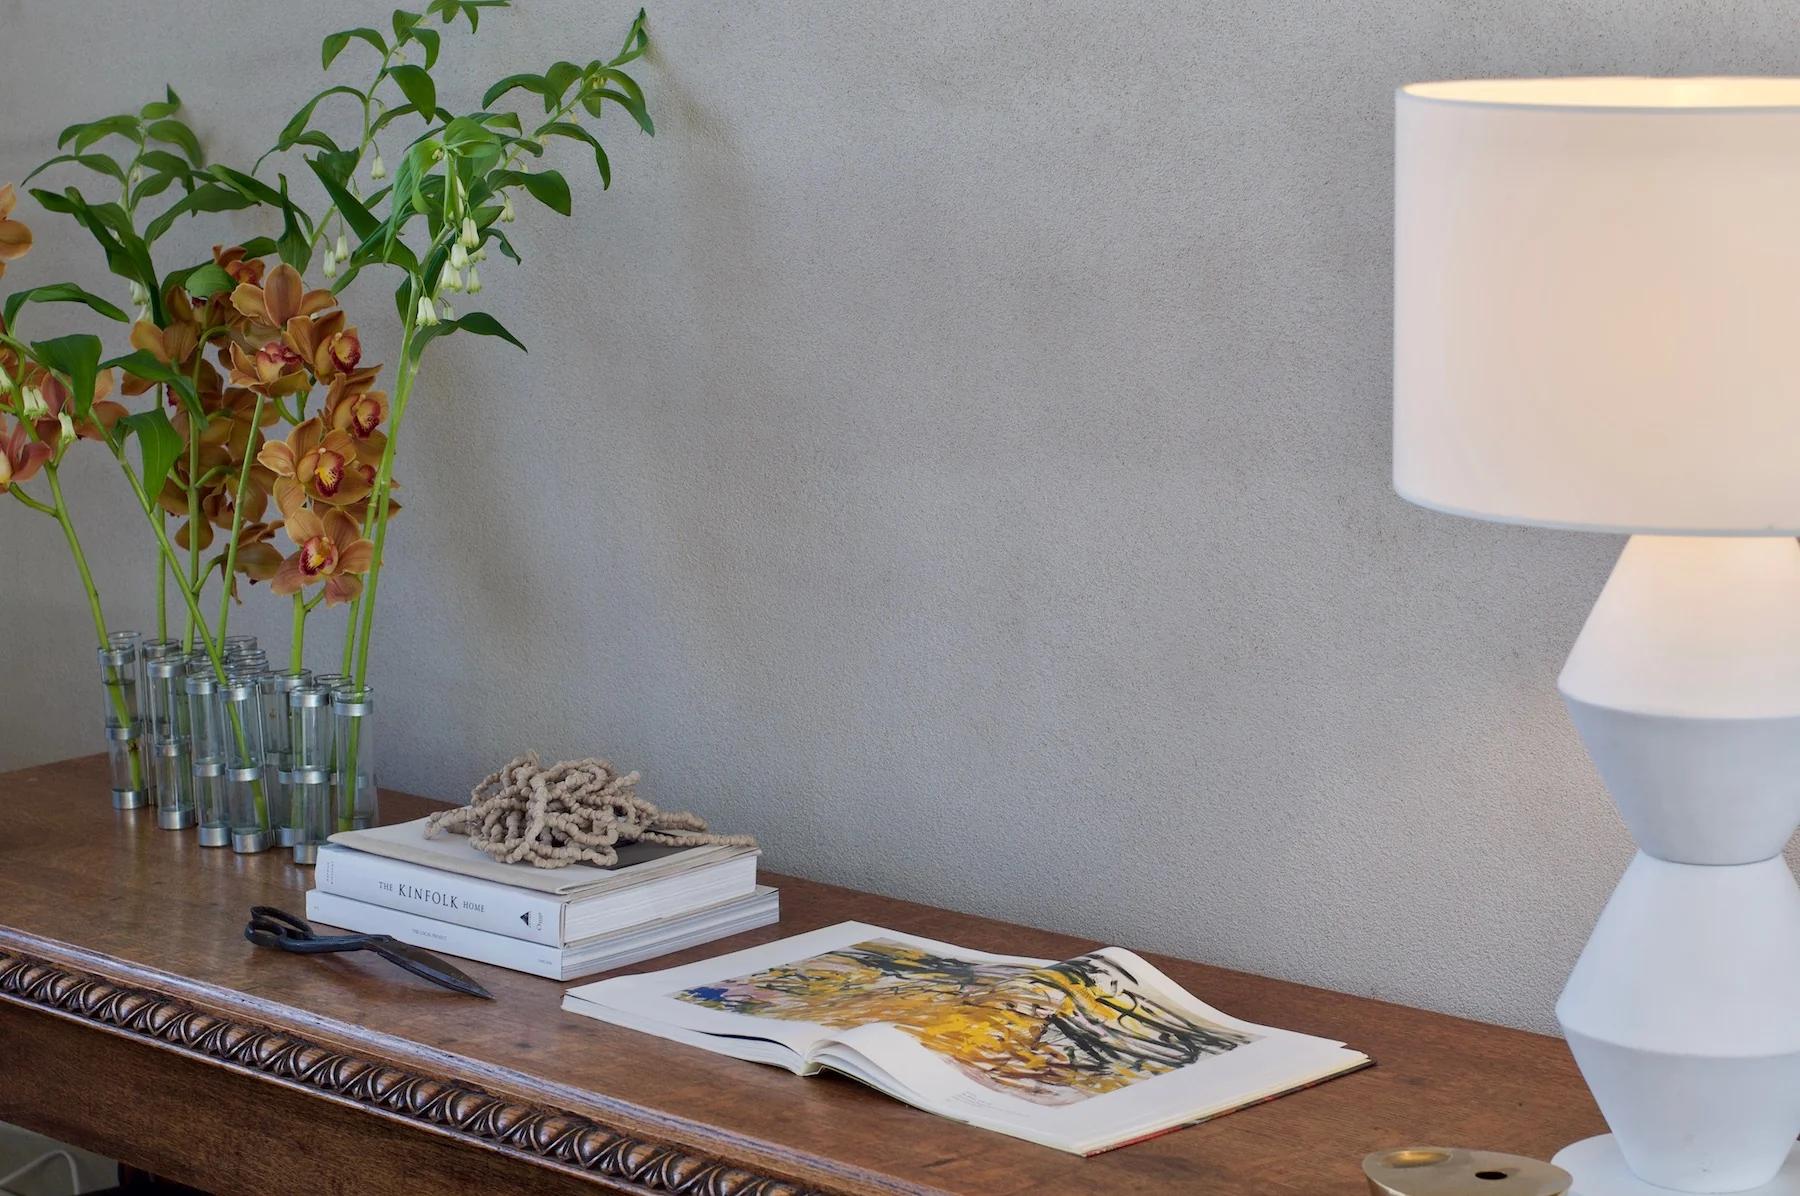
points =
(280, 922)
(271, 927)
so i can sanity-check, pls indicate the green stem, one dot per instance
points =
(362, 146)
(31, 502)
(384, 473)
(297, 638)
(61, 511)
(350, 634)
(193, 517)
(162, 593)
(115, 693)
(237, 517)
(167, 549)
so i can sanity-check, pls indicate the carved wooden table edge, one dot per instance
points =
(32, 976)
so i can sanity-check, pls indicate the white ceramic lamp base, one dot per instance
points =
(1600, 1170)
(1684, 1009)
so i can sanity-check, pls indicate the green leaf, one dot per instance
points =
(506, 245)
(466, 131)
(334, 44)
(482, 324)
(531, 83)
(557, 80)
(208, 281)
(567, 128)
(415, 83)
(430, 40)
(141, 363)
(362, 222)
(164, 161)
(213, 197)
(628, 96)
(637, 40)
(126, 253)
(247, 185)
(155, 185)
(296, 125)
(59, 292)
(502, 120)
(158, 447)
(478, 322)
(77, 358)
(168, 106)
(258, 246)
(84, 135)
(98, 163)
(546, 186)
(294, 245)
(173, 132)
(403, 23)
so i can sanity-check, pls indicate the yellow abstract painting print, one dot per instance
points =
(1053, 1035)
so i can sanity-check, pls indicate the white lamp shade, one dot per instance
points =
(1597, 303)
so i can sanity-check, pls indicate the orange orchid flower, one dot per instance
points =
(317, 464)
(20, 456)
(173, 345)
(257, 558)
(358, 413)
(274, 370)
(233, 261)
(101, 417)
(329, 549)
(15, 238)
(281, 297)
(325, 344)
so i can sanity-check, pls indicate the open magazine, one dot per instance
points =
(1081, 1055)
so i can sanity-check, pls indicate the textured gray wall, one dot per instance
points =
(956, 451)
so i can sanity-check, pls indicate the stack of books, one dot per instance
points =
(444, 895)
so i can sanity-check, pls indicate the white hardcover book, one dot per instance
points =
(614, 950)
(548, 919)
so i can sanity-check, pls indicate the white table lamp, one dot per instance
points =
(1597, 326)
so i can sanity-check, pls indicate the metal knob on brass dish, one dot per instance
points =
(1451, 1171)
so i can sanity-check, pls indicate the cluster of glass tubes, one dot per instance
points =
(261, 759)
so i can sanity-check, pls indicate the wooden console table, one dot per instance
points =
(136, 1021)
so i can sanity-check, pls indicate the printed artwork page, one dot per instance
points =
(797, 991)
(1077, 1053)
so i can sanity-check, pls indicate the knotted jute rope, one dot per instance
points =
(575, 811)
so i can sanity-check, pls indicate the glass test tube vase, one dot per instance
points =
(353, 774)
(308, 778)
(246, 804)
(119, 682)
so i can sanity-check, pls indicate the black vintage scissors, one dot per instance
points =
(270, 927)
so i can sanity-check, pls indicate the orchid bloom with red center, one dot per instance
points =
(281, 297)
(15, 238)
(317, 464)
(359, 413)
(325, 343)
(329, 549)
(238, 265)
(20, 456)
(274, 370)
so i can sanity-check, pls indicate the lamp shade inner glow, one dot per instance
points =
(1597, 302)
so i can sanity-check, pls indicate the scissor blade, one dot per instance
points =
(421, 962)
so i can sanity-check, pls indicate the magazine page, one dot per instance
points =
(1080, 1054)
(703, 998)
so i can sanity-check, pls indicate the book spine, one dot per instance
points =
(445, 938)
(440, 896)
